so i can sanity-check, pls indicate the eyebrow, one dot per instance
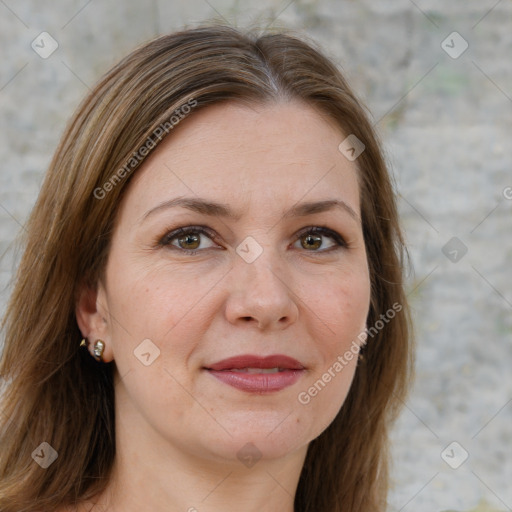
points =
(215, 209)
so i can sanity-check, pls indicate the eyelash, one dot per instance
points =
(165, 241)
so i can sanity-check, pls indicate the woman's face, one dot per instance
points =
(260, 283)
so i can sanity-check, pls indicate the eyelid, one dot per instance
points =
(170, 234)
(173, 233)
(325, 231)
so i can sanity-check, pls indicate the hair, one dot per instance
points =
(56, 393)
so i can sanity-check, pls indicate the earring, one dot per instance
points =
(99, 346)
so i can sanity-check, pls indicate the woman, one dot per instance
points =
(209, 313)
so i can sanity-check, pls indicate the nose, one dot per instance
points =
(262, 292)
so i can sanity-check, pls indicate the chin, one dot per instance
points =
(261, 436)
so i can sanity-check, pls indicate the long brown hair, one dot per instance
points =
(55, 394)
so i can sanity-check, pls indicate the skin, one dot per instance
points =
(179, 429)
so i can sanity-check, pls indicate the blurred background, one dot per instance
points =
(437, 79)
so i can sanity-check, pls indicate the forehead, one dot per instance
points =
(250, 157)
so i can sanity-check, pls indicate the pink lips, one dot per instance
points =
(242, 372)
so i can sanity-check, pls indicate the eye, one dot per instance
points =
(311, 239)
(187, 239)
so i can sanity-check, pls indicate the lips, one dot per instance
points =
(257, 374)
(250, 361)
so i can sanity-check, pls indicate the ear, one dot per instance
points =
(92, 316)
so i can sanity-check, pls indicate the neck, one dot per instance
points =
(191, 486)
(177, 482)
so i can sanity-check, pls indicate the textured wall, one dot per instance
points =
(444, 112)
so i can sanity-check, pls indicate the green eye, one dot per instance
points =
(188, 239)
(311, 239)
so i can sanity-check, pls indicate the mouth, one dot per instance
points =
(256, 370)
(255, 374)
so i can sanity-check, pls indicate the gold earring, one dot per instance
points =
(99, 346)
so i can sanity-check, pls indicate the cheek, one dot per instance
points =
(340, 312)
(341, 306)
(154, 311)
(155, 302)
(325, 394)
(172, 308)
